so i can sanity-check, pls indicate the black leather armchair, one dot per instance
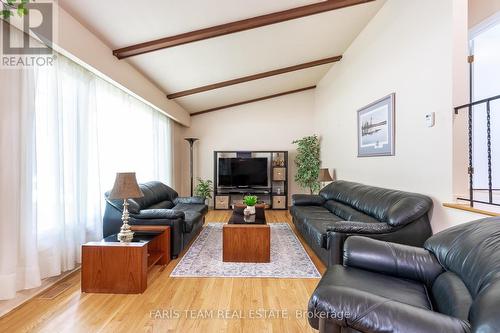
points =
(343, 209)
(453, 285)
(161, 205)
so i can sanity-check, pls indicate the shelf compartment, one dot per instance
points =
(154, 257)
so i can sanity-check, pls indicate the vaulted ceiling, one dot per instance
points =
(262, 50)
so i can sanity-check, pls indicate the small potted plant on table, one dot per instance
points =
(250, 201)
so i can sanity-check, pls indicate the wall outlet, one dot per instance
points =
(430, 119)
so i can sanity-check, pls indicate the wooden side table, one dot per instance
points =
(121, 268)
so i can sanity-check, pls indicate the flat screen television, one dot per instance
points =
(243, 172)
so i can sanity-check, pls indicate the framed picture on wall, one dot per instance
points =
(376, 128)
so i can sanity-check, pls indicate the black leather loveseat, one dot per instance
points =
(343, 209)
(161, 205)
(453, 285)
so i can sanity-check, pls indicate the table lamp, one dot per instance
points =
(125, 187)
(324, 176)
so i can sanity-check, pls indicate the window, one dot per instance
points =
(87, 130)
(485, 45)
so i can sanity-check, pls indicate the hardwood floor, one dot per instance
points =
(176, 304)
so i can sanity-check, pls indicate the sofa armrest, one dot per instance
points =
(408, 210)
(392, 259)
(354, 227)
(307, 200)
(340, 231)
(158, 214)
(189, 200)
(367, 312)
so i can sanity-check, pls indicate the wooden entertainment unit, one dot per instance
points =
(274, 195)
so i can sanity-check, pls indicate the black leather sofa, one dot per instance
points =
(161, 205)
(343, 209)
(453, 285)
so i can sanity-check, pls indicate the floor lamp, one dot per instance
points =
(191, 143)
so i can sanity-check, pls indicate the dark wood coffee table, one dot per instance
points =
(246, 239)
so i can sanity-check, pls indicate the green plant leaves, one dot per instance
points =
(10, 6)
(22, 10)
(250, 200)
(308, 162)
(204, 188)
(6, 13)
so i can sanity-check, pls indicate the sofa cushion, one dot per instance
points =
(199, 208)
(317, 231)
(377, 202)
(191, 220)
(307, 200)
(133, 207)
(156, 217)
(158, 214)
(154, 192)
(303, 213)
(451, 297)
(314, 222)
(162, 205)
(401, 290)
(348, 213)
(314, 230)
(470, 250)
(189, 200)
(408, 209)
(377, 303)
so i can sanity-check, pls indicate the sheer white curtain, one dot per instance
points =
(68, 181)
(19, 268)
(87, 130)
(73, 132)
(132, 137)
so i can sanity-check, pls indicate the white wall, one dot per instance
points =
(408, 48)
(266, 125)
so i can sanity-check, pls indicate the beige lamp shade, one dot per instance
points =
(324, 176)
(126, 187)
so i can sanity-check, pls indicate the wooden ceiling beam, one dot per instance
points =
(237, 26)
(254, 77)
(252, 100)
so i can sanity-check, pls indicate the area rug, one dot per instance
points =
(288, 257)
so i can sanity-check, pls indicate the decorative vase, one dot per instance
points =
(250, 210)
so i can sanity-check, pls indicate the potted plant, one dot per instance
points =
(204, 189)
(250, 201)
(308, 163)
